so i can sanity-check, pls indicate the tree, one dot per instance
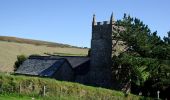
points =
(167, 39)
(20, 60)
(148, 57)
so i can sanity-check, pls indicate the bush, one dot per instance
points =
(20, 60)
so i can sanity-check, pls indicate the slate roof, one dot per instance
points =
(41, 66)
(75, 61)
(48, 65)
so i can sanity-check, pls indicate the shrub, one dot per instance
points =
(20, 60)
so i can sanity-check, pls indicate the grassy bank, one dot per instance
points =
(34, 86)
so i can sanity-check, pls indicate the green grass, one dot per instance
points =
(24, 97)
(57, 89)
(16, 97)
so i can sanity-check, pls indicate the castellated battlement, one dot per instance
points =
(103, 23)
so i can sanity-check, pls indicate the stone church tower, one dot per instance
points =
(101, 51)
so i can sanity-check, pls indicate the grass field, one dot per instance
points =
(16, 97)
(10, 50)
(21, 97)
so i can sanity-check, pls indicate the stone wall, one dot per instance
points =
(65, 73)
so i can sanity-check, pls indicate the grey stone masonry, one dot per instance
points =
(101, 52)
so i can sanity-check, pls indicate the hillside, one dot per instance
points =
(34, 42)
(10, 47)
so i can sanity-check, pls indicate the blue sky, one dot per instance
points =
(69, 21)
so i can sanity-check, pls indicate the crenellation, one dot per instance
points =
(106, 23)
(102, 23)
(99, 23)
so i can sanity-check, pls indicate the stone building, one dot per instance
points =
(93, 70)
(65, 68)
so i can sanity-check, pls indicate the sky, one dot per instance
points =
(69, 21)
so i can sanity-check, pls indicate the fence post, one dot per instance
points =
(158, 94)
(61, 92)
(20, 88)
(12, 89)
(44, 90)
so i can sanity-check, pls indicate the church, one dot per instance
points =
(94, 69)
